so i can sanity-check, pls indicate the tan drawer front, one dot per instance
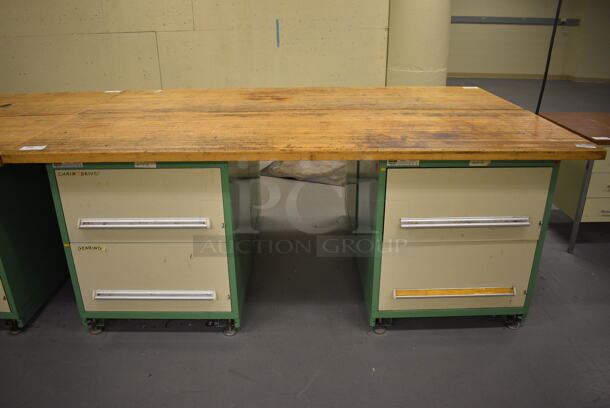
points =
(455, 275)
(597, 210)
(155, 277)
(602, 165)
(466, 204)
(4, 306)
(142, 205)
(599, 186)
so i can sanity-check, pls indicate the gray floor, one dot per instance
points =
(305, 340)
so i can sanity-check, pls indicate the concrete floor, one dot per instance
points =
(305, 340)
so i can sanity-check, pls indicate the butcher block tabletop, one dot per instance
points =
(351, 123)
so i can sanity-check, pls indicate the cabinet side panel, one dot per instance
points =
(30, 245)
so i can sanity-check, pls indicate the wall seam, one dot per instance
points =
(159, 61)
(387, 44)
(193, 13)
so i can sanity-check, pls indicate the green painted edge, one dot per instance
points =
(132, 165)
(234, 314)
(492, 311)
(65, 239)
(376, 313)
(466, 163)
(379, 225)
(158, 315)
(228, 214)
(540, 245)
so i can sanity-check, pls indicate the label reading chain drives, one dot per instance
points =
(67, 165)
(479, 163)
(145, 165)
(398, 163)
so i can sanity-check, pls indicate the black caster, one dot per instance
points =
(14, 329)
(513, 322)
(95, 327)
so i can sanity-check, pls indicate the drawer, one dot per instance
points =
(152, 277)
(596, 210)
(602, 165)
(599, 185)
(4, 306)
(465, 204)
(455, 275)
(142, 205)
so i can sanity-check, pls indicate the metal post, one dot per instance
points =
(548, 57)
(581, 206)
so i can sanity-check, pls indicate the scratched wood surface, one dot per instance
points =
(255, 99)
(56, 103)
(438, 123)
(594, 126)
(16, 130)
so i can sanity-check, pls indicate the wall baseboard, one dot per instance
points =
(525, 76)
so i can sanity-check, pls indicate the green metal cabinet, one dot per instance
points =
(451, 238)
(157, 240)
(32, 265)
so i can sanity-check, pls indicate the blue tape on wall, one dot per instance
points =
(277, 32)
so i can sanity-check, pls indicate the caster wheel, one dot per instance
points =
(514, 322)
(381, 326)
(230, 330)
(13, 328)
(95, 328)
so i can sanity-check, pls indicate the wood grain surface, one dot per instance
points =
(434, 123)
(594, 126)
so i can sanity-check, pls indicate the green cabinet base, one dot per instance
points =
(369, 221)
(237, 184)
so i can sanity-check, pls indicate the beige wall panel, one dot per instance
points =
(79, 62)
(39, 17)
(251, 58)
(142, 193)
(569, 184)
(592, 59)
(597, 210)
(411, 61)
(505, 49)
(4, 306)
(455, 266)
(157, 266)
(261, 14)
(465, 192)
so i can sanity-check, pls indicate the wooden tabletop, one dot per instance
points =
(358, 123)
(594, 126)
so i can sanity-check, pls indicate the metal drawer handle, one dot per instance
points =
(138, 223)
(452, 222)
(154, 295)
(452, 293)
(605, 212)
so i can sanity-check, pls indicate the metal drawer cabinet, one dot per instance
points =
(156, 242)
(452, 239)
(32, 265)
